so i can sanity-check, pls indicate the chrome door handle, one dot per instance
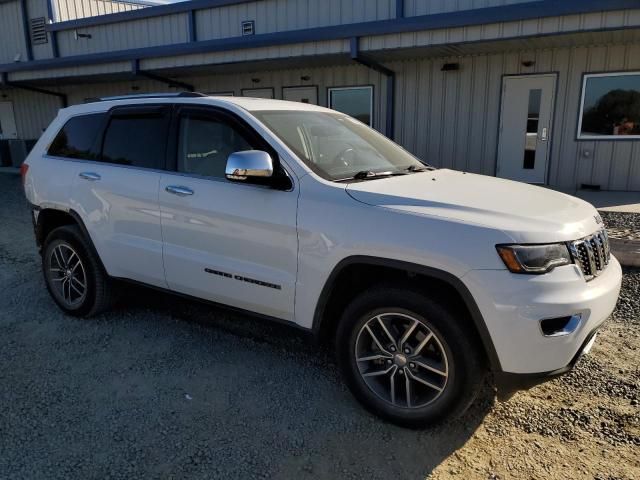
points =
(545, 135)
(178, 190)
(92, 177)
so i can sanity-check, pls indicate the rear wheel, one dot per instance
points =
(408, 358)
(73, 273)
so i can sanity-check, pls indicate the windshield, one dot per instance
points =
(338, 147)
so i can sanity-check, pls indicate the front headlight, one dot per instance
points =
(534, 258)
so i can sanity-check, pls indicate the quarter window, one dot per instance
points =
(77, 138)
(136, 140)
(610, 107)
(356, 102)
(205, 145)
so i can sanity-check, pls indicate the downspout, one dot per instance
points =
(53, 34)
(369, 62)
(62, 96)
(25, 29)
(135, 69)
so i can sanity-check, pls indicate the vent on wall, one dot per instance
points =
(38, 31)
(248, 27)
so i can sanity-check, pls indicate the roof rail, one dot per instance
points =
(147, 95)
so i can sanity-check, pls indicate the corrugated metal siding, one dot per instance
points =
(351, 75)
(282, 15)
(149, 32)
(38, 9)
(501, 31)
(12, 37)
(55, 73)
(248, 55)
(64, 10)
(429, 7)
(33, 111)
(450, 119)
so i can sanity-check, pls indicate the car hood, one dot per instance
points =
(524, 212)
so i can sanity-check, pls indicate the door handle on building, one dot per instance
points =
(92, 177)
(545, 135)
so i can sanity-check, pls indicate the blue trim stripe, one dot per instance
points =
(523, 11)
(150, 12)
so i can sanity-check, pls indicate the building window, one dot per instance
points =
(258, 92)
(356, 102)
(610, 106)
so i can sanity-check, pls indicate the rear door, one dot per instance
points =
(117, 193)
(225, 241)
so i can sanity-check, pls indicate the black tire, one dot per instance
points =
(98, 291)
(464, 359)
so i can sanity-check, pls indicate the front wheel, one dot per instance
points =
(408, 358)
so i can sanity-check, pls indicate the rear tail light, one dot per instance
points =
(24, 168)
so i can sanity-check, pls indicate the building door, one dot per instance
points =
(7, 122)
(526, 127)
(301, 94)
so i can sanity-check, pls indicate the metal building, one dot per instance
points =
(544, 91)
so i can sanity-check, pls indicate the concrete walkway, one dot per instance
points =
(628, 202)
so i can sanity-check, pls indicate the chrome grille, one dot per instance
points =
(591, 253)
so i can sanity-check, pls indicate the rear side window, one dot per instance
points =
(136, 140)
(78, 137)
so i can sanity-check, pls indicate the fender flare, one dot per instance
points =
(441, 275)
(79, 222)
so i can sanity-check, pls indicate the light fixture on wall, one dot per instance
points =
(135, 88)
(77, 35)
(255, 80)
(450, 67)
(528, 63)
(305, 78)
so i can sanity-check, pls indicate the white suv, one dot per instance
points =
(426, 279)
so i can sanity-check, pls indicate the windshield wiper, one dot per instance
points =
(369, 174)
(416, 168)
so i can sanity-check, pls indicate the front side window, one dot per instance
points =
(337, 147)
(136, 140)
(357, 102)
(205, 145)
(610, 106)
(77, 138)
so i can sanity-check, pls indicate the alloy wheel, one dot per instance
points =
(67, 275)
(402, 360)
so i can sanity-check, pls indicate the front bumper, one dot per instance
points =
(508, 383)
(513, 306)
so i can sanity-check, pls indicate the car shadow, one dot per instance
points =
(324, 433)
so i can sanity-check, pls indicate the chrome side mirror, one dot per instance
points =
(242, 166)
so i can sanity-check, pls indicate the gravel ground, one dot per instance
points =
(621, 220)
(165, 388)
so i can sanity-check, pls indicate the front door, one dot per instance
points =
(224, 241)
(7, 122)
(526, 127)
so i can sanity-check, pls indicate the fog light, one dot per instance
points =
(558, 327)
